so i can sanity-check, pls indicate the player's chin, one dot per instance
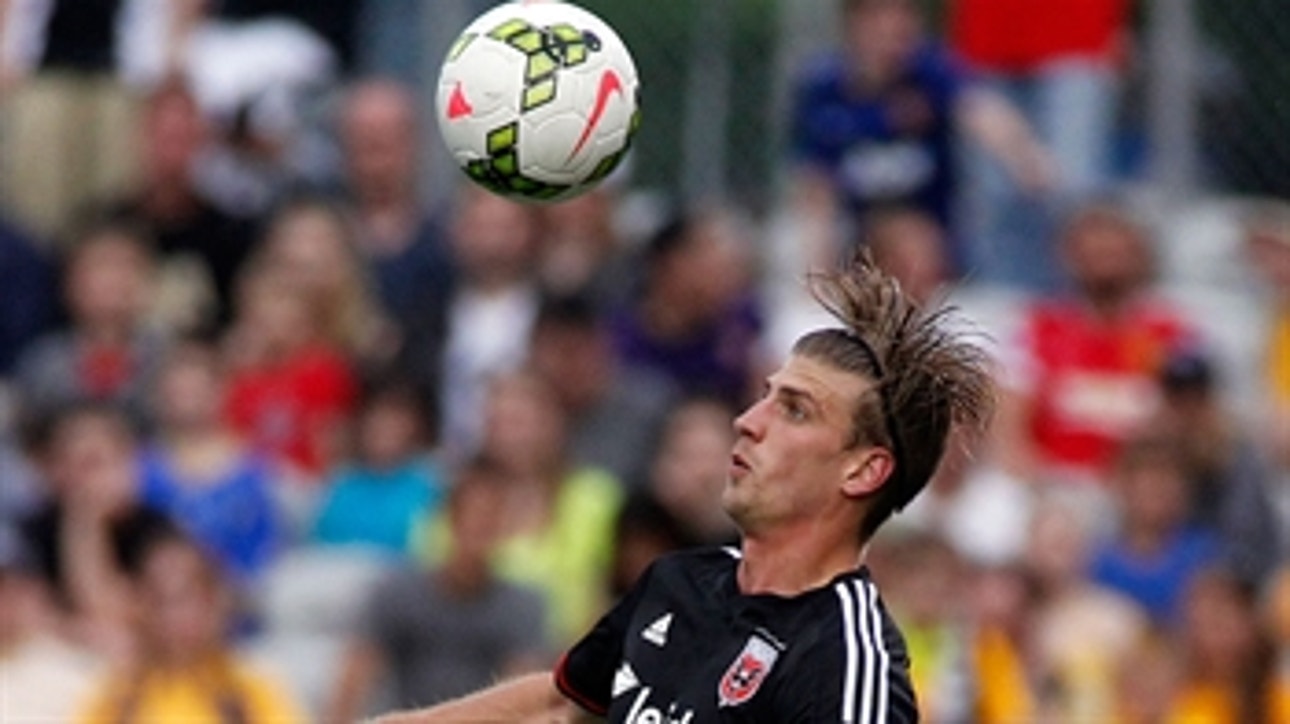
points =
(734, 494)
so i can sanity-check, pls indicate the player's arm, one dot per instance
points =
(530, 698)
(361, 665)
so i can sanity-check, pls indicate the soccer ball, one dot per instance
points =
(538, 100)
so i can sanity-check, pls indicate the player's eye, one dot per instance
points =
(793, 410)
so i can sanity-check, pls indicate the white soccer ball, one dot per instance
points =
(538, 100)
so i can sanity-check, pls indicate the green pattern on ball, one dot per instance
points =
(500, 172)
(547, 50)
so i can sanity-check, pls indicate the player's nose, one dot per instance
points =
(750, 423)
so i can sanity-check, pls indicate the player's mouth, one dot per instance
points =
(739, 464)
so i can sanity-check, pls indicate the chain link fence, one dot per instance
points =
(1244, 107)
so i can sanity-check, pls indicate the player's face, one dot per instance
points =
(793, 448)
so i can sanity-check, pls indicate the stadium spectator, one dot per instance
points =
(200, 245)
(1008, 687)
(183, 668)
(1228, 673)
(492, 309)
(70, 70)
(106, 351)
(643, 531)
(1060, 64)
(1228, 474)
(263, 70)
(1155, 552)
(1082, 631)
(924, 579)
(290, 387)
(1082, 375)
(558, 516)
(909, 245)
(615, 411)
(582, 252)
(1148, 678)
(399, 235)
(443, 632)
(88, 535)
(694, 318)
(311, 242)
(205, 477)
(391, 481)
(874, 123)
(690, 468)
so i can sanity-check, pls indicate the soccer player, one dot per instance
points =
(789, 627)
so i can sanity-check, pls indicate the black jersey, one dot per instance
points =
(686, 647)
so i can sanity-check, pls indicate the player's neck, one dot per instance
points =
(783, 566)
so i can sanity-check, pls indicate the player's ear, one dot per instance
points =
(868, 469)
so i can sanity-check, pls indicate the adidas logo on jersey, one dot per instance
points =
(656, 633)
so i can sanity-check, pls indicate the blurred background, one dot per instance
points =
(296, 425)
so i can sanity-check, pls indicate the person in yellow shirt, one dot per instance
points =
(183, 669)
(558, 515)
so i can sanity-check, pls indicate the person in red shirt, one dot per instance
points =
(1059, 62)
(1081, 378)
(290, 390)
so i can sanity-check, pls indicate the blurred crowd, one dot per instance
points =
(287, 435)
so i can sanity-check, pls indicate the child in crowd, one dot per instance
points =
(1156, 552)
(290, 390)
(88, 535)
(106, 352)
(392, 481)
(202, 475)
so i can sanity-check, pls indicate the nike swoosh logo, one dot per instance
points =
(458, 106)
(610, 83)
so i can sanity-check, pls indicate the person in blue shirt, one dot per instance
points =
(874, 124)
(202, 476)
(1156, 552)
(392, 482)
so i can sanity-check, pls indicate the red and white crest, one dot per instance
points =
(747, 672)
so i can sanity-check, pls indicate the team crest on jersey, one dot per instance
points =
(747, 672)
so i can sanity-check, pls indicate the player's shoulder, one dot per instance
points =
(851, 650)
(848, 614)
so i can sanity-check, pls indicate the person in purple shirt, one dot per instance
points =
(694, 319)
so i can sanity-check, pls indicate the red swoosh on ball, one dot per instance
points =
(609, 84)
(458, 106)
